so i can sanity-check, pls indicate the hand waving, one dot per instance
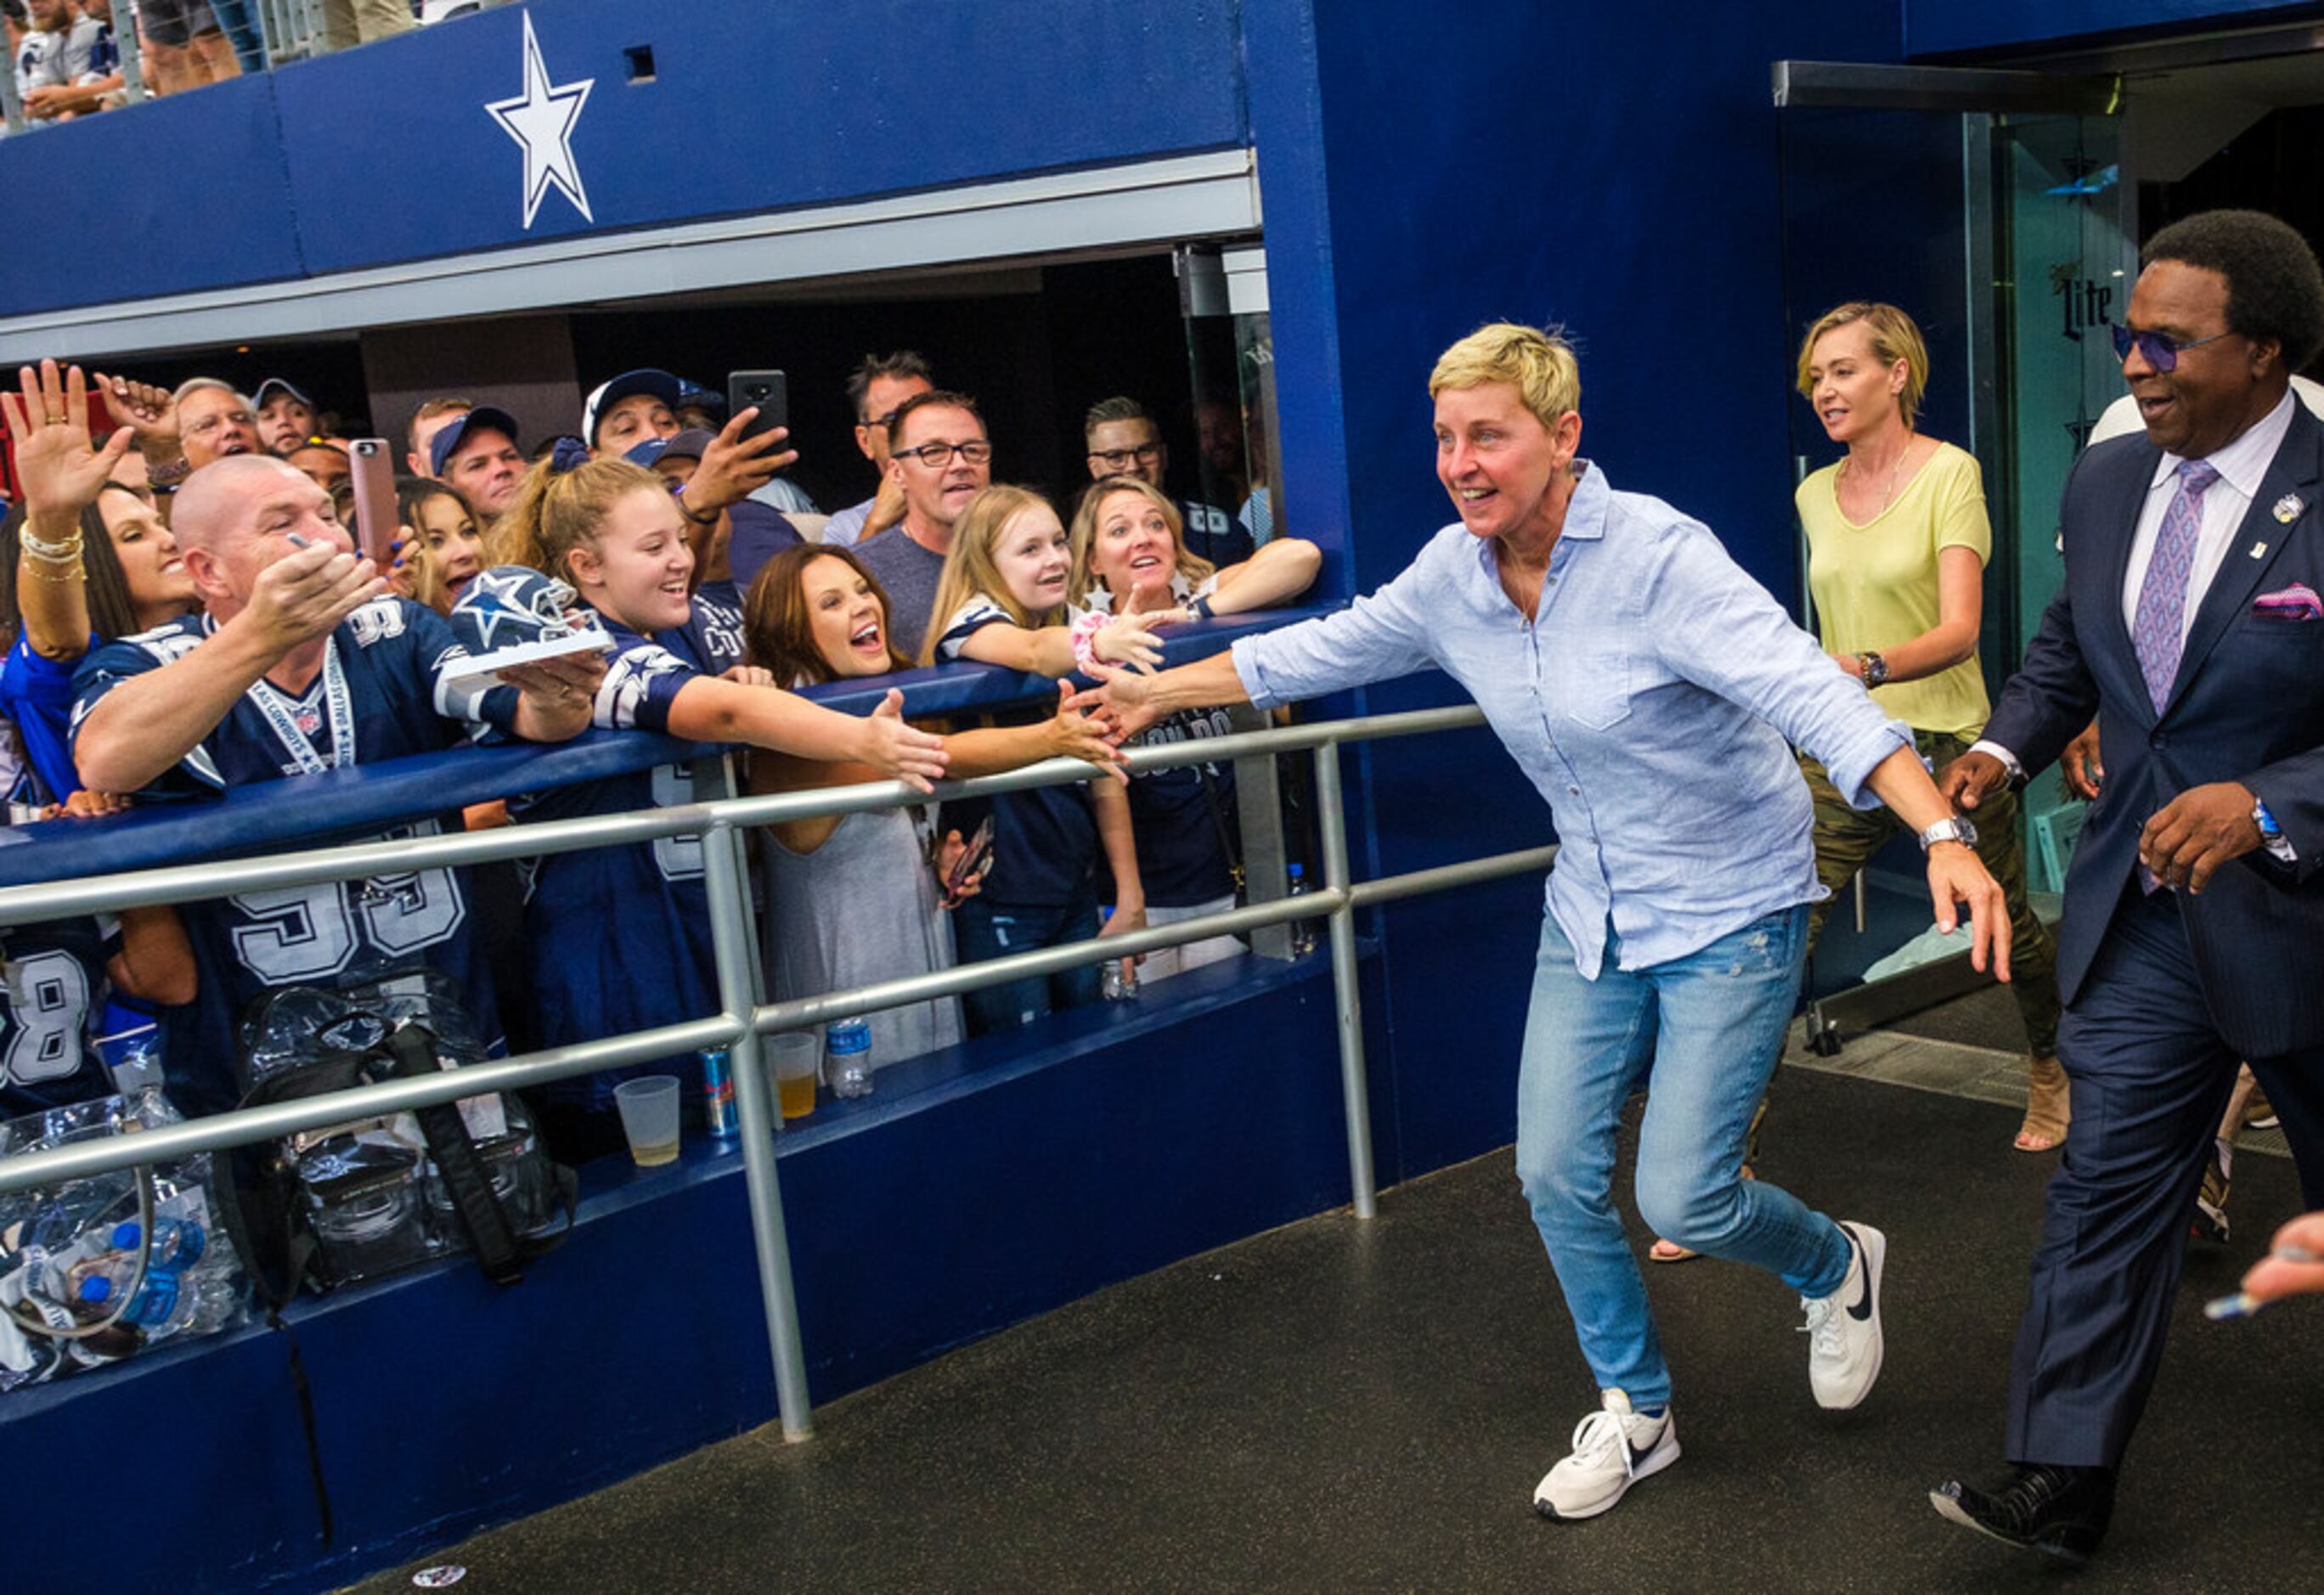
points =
(149, 411)
(62, 470)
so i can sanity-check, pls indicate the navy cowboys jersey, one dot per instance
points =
(378, 696)
(619, 937)
(1215, 533)
(54, 985)
(1045, 840)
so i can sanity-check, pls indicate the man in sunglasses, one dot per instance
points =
(2189, 620)
(875, 388)
(938, 459)
(1122, 440)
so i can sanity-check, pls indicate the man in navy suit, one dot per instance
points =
(2193, 936)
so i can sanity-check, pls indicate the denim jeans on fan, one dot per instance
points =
(983, 929)
(1702, 1032)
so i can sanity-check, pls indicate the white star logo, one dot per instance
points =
(542, 120)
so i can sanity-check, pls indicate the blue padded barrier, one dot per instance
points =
(272, 816)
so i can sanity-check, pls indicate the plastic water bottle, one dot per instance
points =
(1303, 931)
(161, 1305)
(178, 1243)
(1119, 980)
(847, 1057)
(130, 1050)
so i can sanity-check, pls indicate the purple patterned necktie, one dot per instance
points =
(2157, 631)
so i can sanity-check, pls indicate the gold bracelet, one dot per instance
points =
(70, 571)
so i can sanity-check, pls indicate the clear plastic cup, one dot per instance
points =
(793, 1058)
(649, 1106)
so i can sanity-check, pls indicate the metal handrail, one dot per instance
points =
(744, 1020)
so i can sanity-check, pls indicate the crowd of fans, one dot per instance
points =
(67, 54)
(189, 614)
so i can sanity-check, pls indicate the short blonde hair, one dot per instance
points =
(1537, 360)
(1893, 339)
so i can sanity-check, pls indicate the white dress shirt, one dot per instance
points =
(2242, 467)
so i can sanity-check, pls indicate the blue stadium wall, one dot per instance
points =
(1611, 167)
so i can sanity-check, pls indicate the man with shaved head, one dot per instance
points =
(301, 664)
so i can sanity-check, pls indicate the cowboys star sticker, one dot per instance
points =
(542, 120)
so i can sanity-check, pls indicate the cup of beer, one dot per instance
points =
(649, 1106)
(793, 1058)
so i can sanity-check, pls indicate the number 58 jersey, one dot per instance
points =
(379, 696)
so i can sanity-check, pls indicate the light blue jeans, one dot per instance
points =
(1703, 1032)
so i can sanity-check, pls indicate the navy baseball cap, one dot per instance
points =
(687, 445)
(700, 397)
(660, 384)
(258, 400)
(441, 446)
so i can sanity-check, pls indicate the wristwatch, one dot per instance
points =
(2269, 831)
(1956, 829)
(1874, 669)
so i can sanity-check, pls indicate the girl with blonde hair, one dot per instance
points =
(618, 938)
(1000, 600)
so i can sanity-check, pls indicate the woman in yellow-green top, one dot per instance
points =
(1897, 541)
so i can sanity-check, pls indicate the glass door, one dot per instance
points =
(1988, 206)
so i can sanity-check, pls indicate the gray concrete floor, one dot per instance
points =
(1337, 1406)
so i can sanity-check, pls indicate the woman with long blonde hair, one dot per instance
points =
(1131, 561)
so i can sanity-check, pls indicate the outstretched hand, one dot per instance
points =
(62, 471)
(1128, 639)
(1086, 733)
(1958, 877)
(913, 756)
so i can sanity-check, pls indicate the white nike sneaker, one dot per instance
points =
(1843, 1329)
(1613, 1449)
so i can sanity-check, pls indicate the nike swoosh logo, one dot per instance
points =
(1860, 1309)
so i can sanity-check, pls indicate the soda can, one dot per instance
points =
(718, 1091)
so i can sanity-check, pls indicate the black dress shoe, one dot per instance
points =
(2058, 1511)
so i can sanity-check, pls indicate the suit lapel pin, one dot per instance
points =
(2259, 550)
(2288, 508)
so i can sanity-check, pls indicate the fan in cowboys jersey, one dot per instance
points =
(629, 926)
(301, 665)
(54, 979)
(654, 966)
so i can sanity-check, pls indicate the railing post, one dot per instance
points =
(1332, 828)
(1261, 832)
(730, 915)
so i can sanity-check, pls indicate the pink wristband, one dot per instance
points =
(1085, 636)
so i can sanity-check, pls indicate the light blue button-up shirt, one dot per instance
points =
(1651, 702)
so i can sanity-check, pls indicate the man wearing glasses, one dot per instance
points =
(875, 388)
(938, 459)
(2189, 620)
(1122, 440)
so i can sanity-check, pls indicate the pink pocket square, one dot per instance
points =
(2297, 602)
